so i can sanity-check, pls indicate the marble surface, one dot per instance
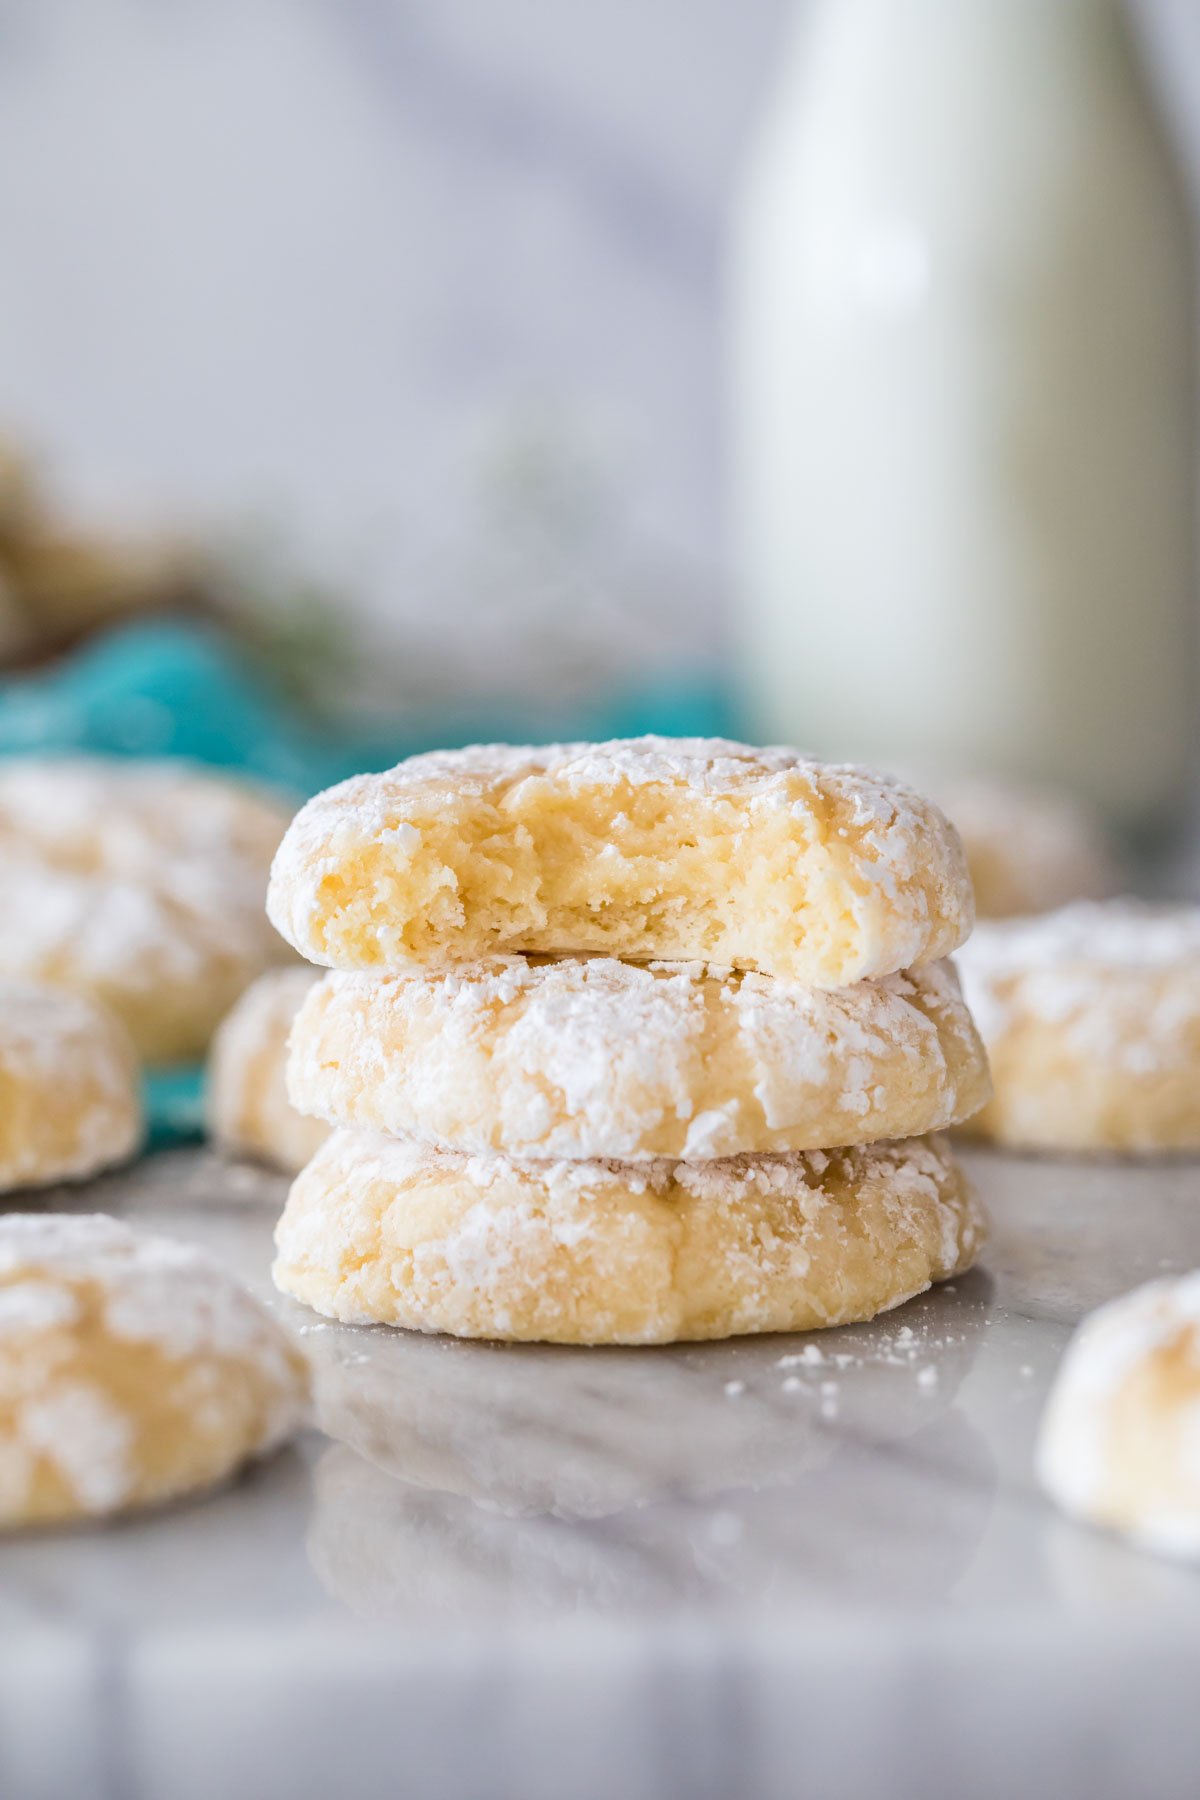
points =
(748, 1569)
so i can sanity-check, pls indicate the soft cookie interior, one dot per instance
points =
(814, 881)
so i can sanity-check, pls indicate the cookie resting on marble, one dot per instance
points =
(140, 883)
(377, 1230)
(1120, 1437)
(132, 1371)
(70, 1087)
(1091, 1019)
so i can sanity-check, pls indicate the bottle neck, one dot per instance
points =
(1030, 45)
(948, 21)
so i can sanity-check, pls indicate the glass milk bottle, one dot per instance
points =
(963, 400)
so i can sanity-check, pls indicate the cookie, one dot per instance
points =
(650, 848)
(247, 1105)
(377, 1230)
(70, 1090)
(141, 884)
(590, 1057)
(1091, 1018)
(1028, 851)
(1118, 1443)
(132, 1370)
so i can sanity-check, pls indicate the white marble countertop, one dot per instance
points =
(715, 1571)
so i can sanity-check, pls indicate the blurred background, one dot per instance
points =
(410, 341)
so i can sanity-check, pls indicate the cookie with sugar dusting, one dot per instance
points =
(70, 1087)
(1120, 1438)
(247, 1106)
(1028, 850)
(377, 1230)
(132, 1370)
(648, 848)
(1091, 1019)
(141, 884)
(591, 1057)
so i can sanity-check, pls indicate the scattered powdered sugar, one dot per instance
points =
(899, 1347)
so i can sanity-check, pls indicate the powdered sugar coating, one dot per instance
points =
(1103, 936)
(139, 883)
(131, 1369)
(1120, 1440)
(593, 1057)
(649, 847)
(1091, 1018)
(248, 1110)
(377, 1229)
(69, 1086)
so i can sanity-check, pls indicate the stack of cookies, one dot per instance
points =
(626, 1043)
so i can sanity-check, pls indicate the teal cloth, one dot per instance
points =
(176, 688)
(174, 1103)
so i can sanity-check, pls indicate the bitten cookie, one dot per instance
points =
(248, 1110)
(1091, 1018)
(1118, 1444)
(651, 848)
(589, 1058)
(132, 1370)
(70, 1094)
(141, 884)
(378, 1230)
(1027, 851)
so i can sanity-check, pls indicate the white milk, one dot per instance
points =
(964, 399)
